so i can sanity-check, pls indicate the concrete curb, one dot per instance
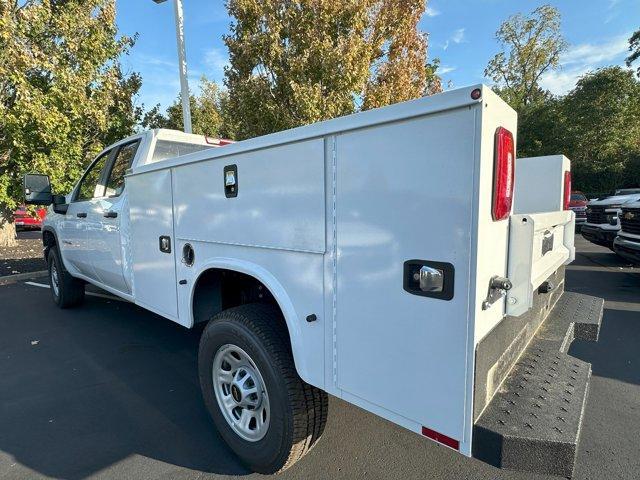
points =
(9, 279)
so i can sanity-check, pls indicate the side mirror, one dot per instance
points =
(59, 205)
(37, 189)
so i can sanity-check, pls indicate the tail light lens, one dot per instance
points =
(567, 189)
(503, 174)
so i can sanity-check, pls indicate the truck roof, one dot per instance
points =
(448, 100)
(178, 136)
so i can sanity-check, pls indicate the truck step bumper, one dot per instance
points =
(533, 422)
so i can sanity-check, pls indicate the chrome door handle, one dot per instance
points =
(110, 214)
(81, 215)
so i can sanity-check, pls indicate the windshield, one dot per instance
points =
(168, 149)
(578, 197)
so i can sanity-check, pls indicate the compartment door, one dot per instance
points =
(404, 193)
(152, 242)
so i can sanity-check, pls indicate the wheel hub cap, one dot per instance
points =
(241, 393)
(54, 279)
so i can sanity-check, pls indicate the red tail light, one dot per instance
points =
(567, 189)
(503, 174)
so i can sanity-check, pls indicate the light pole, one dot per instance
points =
(182, 64)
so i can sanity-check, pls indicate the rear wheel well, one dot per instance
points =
(219, 289)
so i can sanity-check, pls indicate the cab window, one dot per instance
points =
(122, 162)
(168, 149)
(90, 186)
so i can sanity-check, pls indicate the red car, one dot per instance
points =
(25, 221)
(578, 204)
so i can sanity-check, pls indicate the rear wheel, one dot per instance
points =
(66, 290)
(264, 411)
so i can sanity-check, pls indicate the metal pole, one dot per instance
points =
(182, 65)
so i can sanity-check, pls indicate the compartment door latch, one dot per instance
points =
(428, 278)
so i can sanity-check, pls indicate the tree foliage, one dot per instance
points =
(63, 95)
(602, 128)
(294, 63)
(634, 48)
(596, 125)
(531, 45)
(207, 112)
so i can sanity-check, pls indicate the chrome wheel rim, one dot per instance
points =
(241, 393)
(54, 280)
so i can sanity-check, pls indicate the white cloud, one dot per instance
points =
(580, 59)
(592, 54)
(444, 69)
(458, 36)
(431, 11)
(216, 60)
(160, 78)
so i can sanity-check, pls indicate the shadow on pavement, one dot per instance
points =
(83, 389)
(601, 258)
(615, 354)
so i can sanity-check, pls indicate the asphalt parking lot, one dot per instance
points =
(110, 391)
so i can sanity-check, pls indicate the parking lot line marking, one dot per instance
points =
(93, 294)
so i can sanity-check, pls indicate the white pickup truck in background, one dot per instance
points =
(627, 243)
(603, 217)
(383, 257)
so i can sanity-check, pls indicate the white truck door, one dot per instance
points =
(153, 242)
(73, 228)
(104, 219)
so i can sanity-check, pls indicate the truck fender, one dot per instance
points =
(275, 288)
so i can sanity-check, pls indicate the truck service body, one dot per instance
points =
(386, 243)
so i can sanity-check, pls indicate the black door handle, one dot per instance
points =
(110, 214)
(81, 215)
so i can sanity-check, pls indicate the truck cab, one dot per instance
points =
(91, 225)
(627, 243)
(603, 218)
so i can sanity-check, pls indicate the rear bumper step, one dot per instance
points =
(533, 422)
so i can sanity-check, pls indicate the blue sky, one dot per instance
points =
(461, 34)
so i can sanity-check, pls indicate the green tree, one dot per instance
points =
(541, 127)
(634, 48)
(294, 63)
(602, 129)
(207, 112)
(531, 45)
(63, 95)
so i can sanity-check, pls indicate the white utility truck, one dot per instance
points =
(382, 257)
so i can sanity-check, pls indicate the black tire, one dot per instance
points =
(298, 410)
(70, 291)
